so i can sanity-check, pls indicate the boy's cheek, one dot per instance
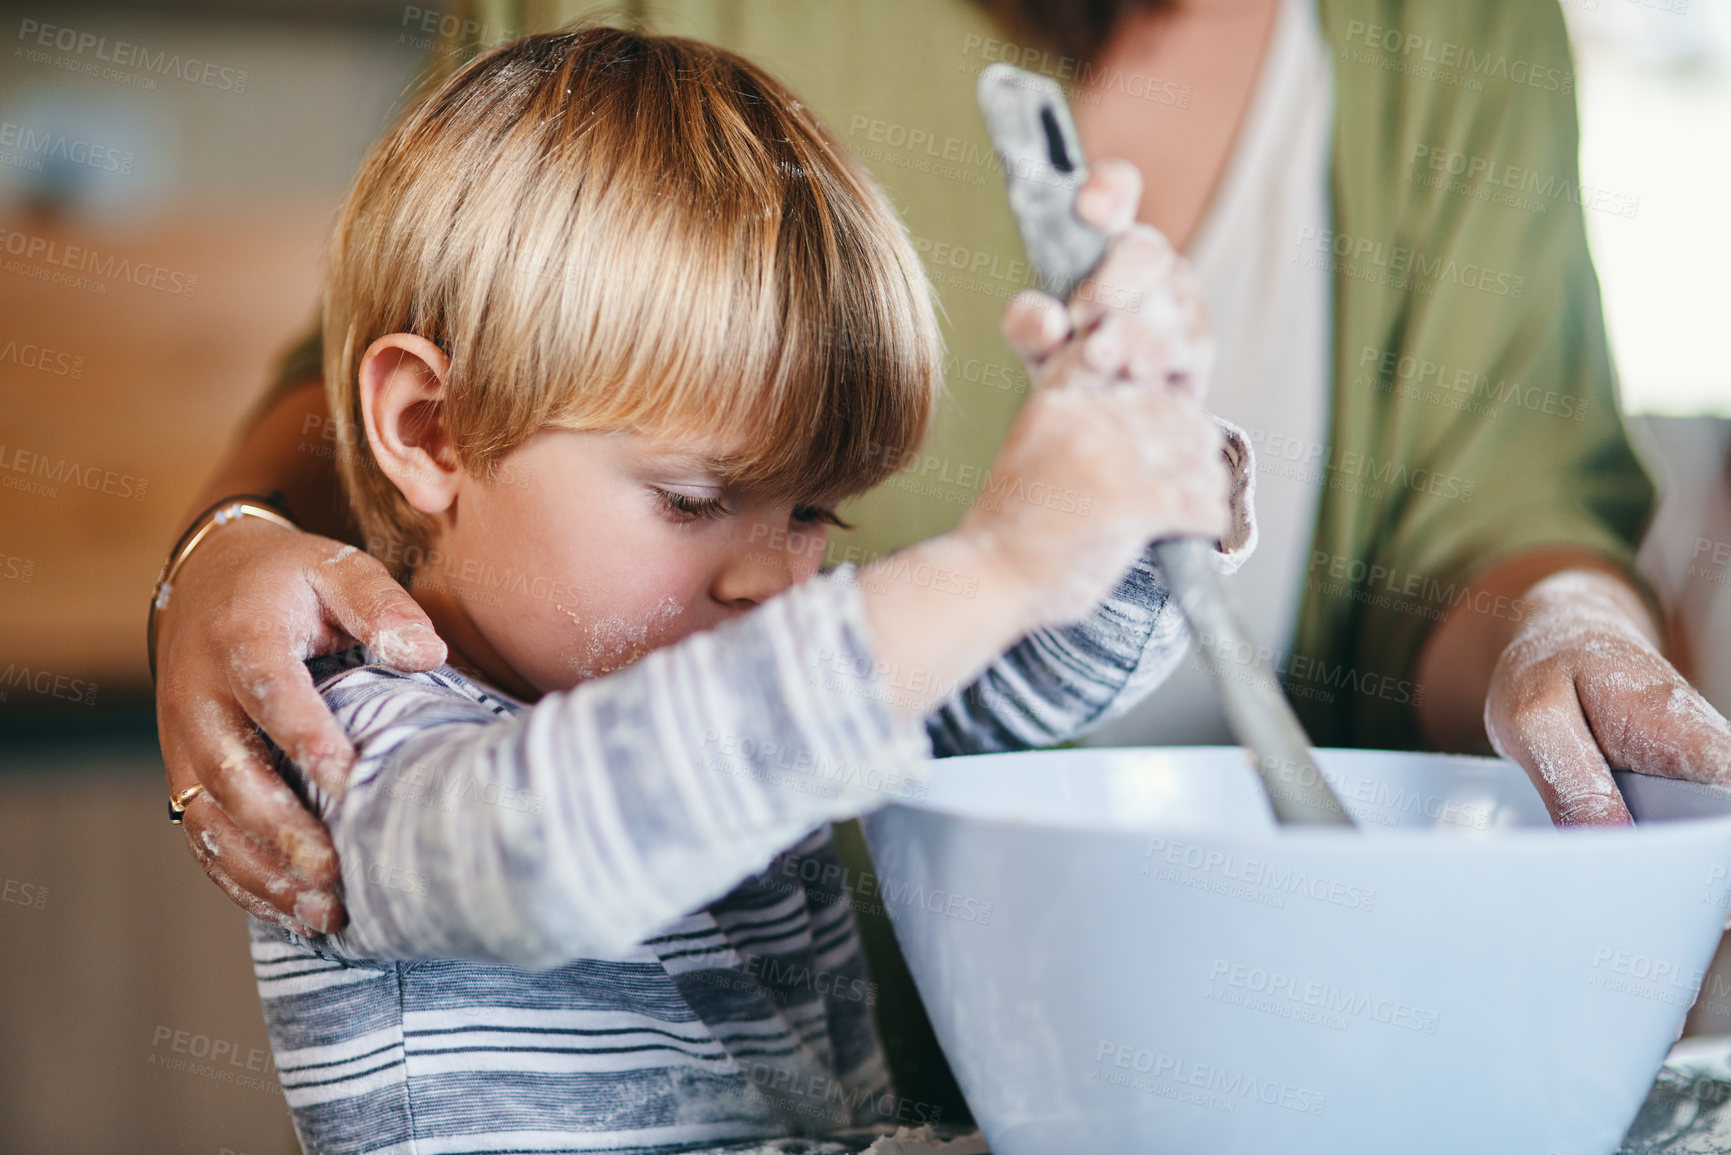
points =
(567, 601)
(579, 572)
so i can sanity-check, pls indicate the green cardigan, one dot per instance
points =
(1474, 409)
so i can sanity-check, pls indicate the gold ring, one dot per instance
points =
(177, 802)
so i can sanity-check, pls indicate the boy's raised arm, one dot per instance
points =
(1085, 667)
(640, 796)
(584, 823)
(1063, 680)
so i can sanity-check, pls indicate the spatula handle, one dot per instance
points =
(1029, 122)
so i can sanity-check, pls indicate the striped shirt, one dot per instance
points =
(615, 920)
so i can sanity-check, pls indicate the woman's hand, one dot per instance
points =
(1582, 688)
(248, 607)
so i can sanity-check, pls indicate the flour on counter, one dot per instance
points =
(917, 1140)
(906, 1141)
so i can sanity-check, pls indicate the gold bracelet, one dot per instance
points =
(227, 510)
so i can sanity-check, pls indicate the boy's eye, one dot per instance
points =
(691, 508)
(815, 513)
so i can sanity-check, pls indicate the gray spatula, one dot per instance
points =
(1029, 122)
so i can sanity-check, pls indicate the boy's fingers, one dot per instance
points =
(1067, 370)
(367, 603)
(1136, 277)
(1034, 325)
(277, 692)
(1177, 419)
(1188, 367)
(1105, 349)
(1202, 505)
(1200, 430)
(1110, 197)
(1120, 347)
(1146, 294)
(232, 766)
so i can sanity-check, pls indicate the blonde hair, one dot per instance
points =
(605, 229)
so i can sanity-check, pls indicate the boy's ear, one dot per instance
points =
(402, 382)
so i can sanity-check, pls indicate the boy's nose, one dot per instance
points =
(760, 566)
(747, 581)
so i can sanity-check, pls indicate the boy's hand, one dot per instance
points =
(248, 607)
(1092, 470)
(1140, 312)
(1112, 449)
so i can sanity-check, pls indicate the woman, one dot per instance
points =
(1449, 500)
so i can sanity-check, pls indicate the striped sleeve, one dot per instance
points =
(581, 825)
(1060, 681)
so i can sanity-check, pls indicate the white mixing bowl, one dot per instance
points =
(1121, 953)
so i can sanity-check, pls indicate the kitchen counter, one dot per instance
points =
(1688, 1112)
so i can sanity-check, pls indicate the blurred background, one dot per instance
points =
(211, 196)
(160, 233)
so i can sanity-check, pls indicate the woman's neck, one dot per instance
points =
(1169, 94)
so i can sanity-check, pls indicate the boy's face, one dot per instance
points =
(576, 559)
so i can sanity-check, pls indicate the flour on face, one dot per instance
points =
(614, 641)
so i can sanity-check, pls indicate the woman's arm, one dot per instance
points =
(1476, 422)
(1504, 586)
(288, 450)
(248, 606)
(1462, 652)
(1571, 684)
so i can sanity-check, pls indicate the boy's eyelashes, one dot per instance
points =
(689, 508)
(815, 513)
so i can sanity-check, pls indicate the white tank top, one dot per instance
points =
(1272, 317)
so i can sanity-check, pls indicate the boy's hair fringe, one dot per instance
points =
(606, 229)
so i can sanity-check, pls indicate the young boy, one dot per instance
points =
(611, 324)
